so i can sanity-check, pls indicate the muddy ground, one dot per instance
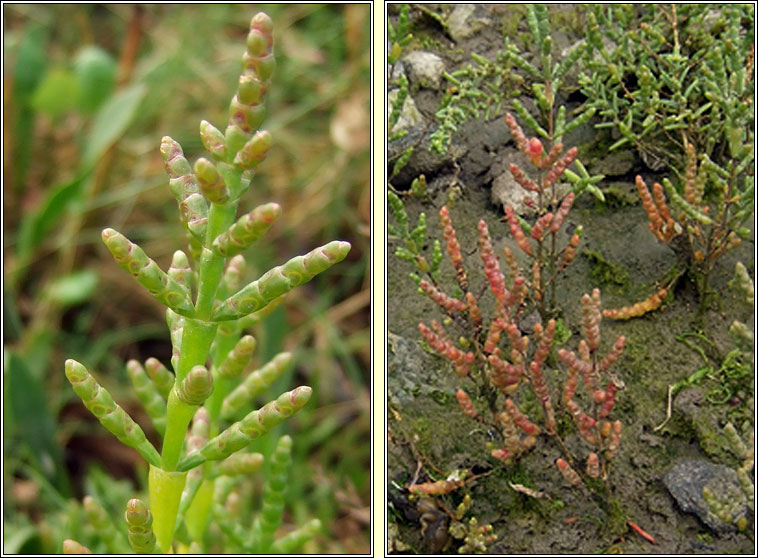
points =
(429, 437)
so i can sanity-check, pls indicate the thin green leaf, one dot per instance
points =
(111, 121)
(74, 288)
(57, 93)
(27, 404)
(36, 226)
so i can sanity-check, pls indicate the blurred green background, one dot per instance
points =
(89, 90)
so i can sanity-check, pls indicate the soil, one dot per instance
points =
(429, 437)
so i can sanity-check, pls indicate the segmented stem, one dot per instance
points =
(252, 426)
(273, 497)
(281, 279)
(113, 417)
(140, 522)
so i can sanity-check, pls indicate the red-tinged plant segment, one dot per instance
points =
(592, 420)
(680, 89)
(706, 219)
(494, 359)
(441, 521)
(208, 311)
(543, 242)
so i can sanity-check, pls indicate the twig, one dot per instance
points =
(649, 538)
(668, 410)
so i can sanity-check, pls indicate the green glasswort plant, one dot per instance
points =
(675, 82)
(727, 505)
(413, 241)
(207, 314)
(665, 76)
(492, 85)
(399, 37)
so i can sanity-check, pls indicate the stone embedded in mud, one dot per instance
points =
(465, 22)
(506, 191)
(408, 371)
(424, 69)
(423, 160)
(685, 482)
(617, 163)
(410, 116)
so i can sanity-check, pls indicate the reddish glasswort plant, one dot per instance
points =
(548, 253)
(497, 370)
(700, 231)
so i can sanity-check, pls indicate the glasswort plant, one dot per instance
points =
(207, 314)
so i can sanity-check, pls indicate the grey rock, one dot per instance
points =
(404, 362)
(616, 163)
(396, 72)
(424, 69)
(409, 115)
(422, 161)
(463, 22)
(685, 482)
(506, 191)
(527, 323)
(411, 372)
(483, 139)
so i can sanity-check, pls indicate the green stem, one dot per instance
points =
(220, 218)
(221, 389)
(196, 516)
(197, 337)
(225, 342)
(165, 489)
(179, 416)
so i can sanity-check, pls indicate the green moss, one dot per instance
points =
(510, 20)
(441, 397)
(428, 434)
(515, 503)
(572, 21)
(616, 517)
(705, 538)
(530, 406)
(556, 504)
(604, 271)
(525, 39)
(617, 197)
(562, 333)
